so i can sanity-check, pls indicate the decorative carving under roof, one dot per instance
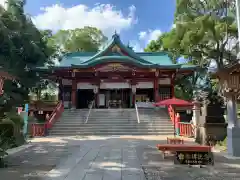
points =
(229, 78)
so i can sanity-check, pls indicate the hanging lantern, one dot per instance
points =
(95, 90)
(188, 111)
(73, 74)
(134, 89)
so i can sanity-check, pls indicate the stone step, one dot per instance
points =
(110, 133)
(113, 122)
(111, 128)
(109, 125)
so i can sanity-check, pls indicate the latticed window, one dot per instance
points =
(233, 81)
(165, 93)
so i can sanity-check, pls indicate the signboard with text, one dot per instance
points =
(194, 158)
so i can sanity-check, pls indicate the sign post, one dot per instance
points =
(25, 119)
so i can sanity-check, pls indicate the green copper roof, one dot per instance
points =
(106, 55)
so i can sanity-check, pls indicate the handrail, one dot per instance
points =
(55, 114)
(172, 113)
(136, 108)
(89, 112)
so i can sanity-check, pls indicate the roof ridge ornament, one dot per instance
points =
(115, 35)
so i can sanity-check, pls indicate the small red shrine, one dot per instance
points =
(116, 76)
(4, 75)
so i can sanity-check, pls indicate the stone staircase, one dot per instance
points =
(69, 120)
(113, 122)
(157, 121)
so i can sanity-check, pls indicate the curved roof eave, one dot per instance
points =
(125, 59)
(116, 41)
(190, 68)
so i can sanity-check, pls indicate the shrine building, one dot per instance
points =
(116, 76)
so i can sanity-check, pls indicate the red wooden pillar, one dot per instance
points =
(156, 87)
(156, 90)
(172, 86)
(134, 89)
(74, 93)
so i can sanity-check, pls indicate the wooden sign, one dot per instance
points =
(193, 158)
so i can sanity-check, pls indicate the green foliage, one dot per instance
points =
(22, 48)
(160, 45)
(87, 39)
(205, 30)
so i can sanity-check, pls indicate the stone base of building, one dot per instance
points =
(233, 141)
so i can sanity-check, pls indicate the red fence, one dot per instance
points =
(42, 129)
(186, 129)
(181, 128)
(37, 129)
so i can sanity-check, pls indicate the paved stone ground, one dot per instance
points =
(107, 158)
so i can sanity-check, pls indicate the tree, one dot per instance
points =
(22, 48)
(205, 31)
(87, 39)
(158, 45)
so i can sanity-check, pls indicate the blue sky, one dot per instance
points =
(138, 21)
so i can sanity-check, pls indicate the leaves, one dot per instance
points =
(205, 31)
(22, 48)
(87, 39)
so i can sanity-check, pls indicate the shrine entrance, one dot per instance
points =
(84, 98)
(114, 98)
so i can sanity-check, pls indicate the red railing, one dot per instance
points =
(181, 128)
(55, 115)
(171, 113)
(37, 129)
(42, 129)
(186, 129)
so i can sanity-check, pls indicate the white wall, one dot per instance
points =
(113, 85)
(85, 86)
(144, 85)
(67, 82)
(164, 81)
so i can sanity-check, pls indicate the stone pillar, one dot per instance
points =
(196, 116)
(73, 94)
(233, 129)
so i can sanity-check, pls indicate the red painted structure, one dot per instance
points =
(185, 129)
(116, 74)
(41, 129)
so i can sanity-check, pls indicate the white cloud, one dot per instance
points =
(149, 35)
(137, 47)
(145, 37)
(173, 26)
(3, 3)
(103, 16)
(142, 35)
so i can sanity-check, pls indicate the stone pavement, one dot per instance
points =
(107, 158)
